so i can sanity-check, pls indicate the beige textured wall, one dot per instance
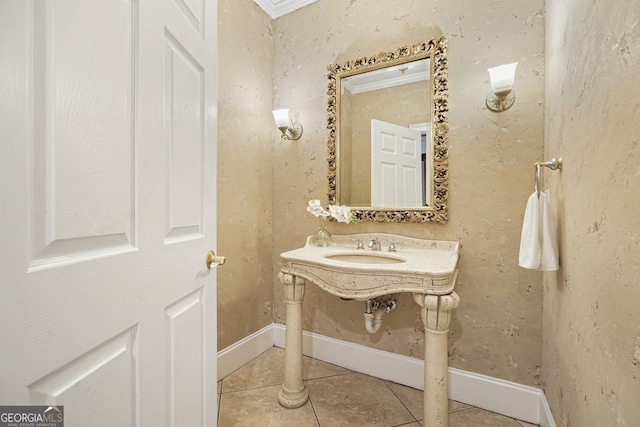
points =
(497, 328)
(591, 327)
(245, 184)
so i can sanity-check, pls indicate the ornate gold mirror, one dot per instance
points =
(388, 131)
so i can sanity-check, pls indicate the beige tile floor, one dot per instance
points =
(337, 397)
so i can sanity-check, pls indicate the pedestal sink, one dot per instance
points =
(426, 268)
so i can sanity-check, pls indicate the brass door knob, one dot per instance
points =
(213, 260)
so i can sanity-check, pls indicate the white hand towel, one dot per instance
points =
(549, 259)
(538, 241)
(530, 249)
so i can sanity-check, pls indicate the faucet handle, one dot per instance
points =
(374, 244)
(360, 244)
(392, 245)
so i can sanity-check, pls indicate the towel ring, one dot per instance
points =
(552, 164)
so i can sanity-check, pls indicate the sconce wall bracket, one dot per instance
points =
(499, 102)
(291, 132)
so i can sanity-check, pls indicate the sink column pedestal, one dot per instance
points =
(294, 392)
(436, 316)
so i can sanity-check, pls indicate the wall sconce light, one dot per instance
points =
(502, 96)
(289, 128)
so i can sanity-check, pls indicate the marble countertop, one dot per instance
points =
(427, 266)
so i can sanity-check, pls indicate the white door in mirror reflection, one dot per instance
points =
(396, 166)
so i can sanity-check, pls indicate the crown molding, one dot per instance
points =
(278, 8)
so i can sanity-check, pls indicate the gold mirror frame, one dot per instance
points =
(436, 51)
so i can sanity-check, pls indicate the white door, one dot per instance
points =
(396, 165)
(108, 189)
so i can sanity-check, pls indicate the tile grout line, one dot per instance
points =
(401, 402)
(313, 408)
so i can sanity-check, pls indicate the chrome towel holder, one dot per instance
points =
(553, 164)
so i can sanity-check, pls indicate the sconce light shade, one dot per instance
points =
(502, 96)
(282, 117)
(290, 129)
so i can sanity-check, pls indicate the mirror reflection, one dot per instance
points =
(387, 117)
(385, 126)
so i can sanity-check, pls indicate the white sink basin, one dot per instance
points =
(418, 266)
(362, 257)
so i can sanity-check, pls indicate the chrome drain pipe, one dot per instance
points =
(374, 311)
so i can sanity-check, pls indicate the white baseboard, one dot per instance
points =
(244, 351)
(546, 417)
(504, 397)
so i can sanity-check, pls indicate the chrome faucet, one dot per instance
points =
(374, 244)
